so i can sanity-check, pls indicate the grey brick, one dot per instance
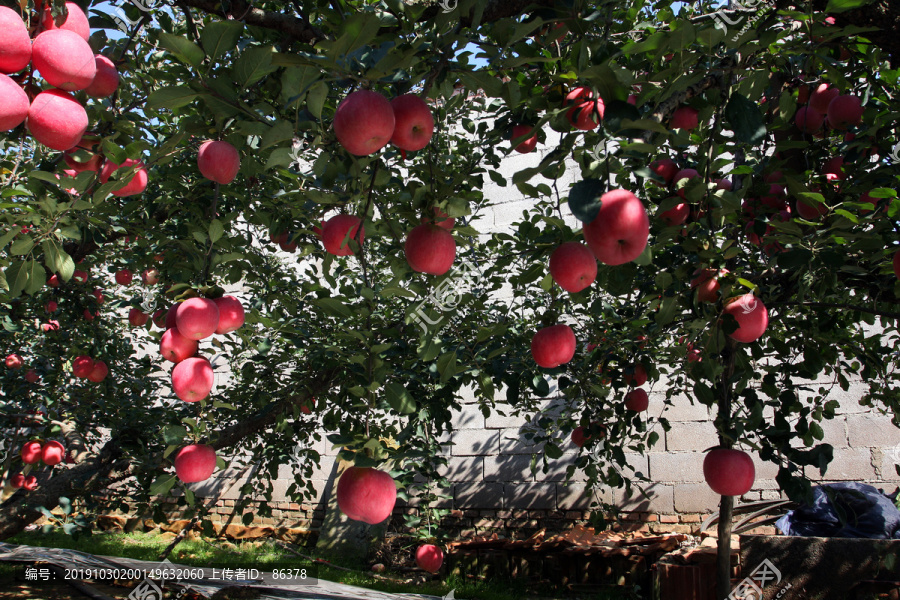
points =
(696, 498)
(478, 494)
(850, 464)
(514, 441)
(872, 430)
(475, 442)
(514, 467)
(659, 499)
(578, 496)
(463, 468)
(468, 417)
(498, 421)
(530, 495)
(556, 469)
(691, 436)
(678, 467)
(681, 409)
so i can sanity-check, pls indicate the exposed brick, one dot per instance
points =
(573, 514)
(668, 518)
(690, 518)
(488, 513)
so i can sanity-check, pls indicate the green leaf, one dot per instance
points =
(182, 48)
(171, 97)
(584, 199)
(216, 230)
(253, 64)
(220, 37)
(746, 119)
(162, 485)
(315, 99)
(552, 450)
(174, 434)
(399, 398)
(335, 307)
(281, 131)
(446, 366)
(22, 246)
(839, 6)
(66, 505)
(358, 31)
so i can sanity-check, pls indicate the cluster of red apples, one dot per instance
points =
(186, 324)
(50, 453)
(364, 123)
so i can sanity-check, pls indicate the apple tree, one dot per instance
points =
(729, 176)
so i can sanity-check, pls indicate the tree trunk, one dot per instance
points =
(723, 548)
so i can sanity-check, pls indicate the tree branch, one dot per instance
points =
(871, 311)
(238, 10)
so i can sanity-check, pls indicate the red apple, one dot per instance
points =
(53, 281)
(75, 21)
(845, 111)
(52, 453)
(159, 318)
(82, 366)
(573, 266)
(729, 472)
(150, 276)
(175, 347)
(14, 103)
(89, 316)
(822, 97)
(637, 400)
(583, 108)
(809, 120)
(79, 276)
(441, 219)
(684, 174)
(529, 144)
(124, 277)
(429, 558)
(896, 264)
(51, 307)
(685, 117)
(87, 145)
(106, 81)
(665, 168)
(307, 406)
(231, 314)
(337, 229)
(430, 249)
(192, 379)
(811, 210)
(30, 483)
(364, 122)
(638, 377)
(99, 372)
(553, 346)
(31, 376)
(64, 59)
(578, 436)
(17, 480)
(57, 120)
(834, 169)
(724, 184)
(51, 326)
(195, 463)
(751, 315)
(137, 317)
(413, 123)
(621, 229)
(197, 318)
(366, 494)
(14, 361)
(31, 452)
(131, 185)
(15, 43)
(676, 215)
(171, 314)
(707, 283)
(98, 294)
(218, 161)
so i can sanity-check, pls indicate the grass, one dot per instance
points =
(266, 556)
